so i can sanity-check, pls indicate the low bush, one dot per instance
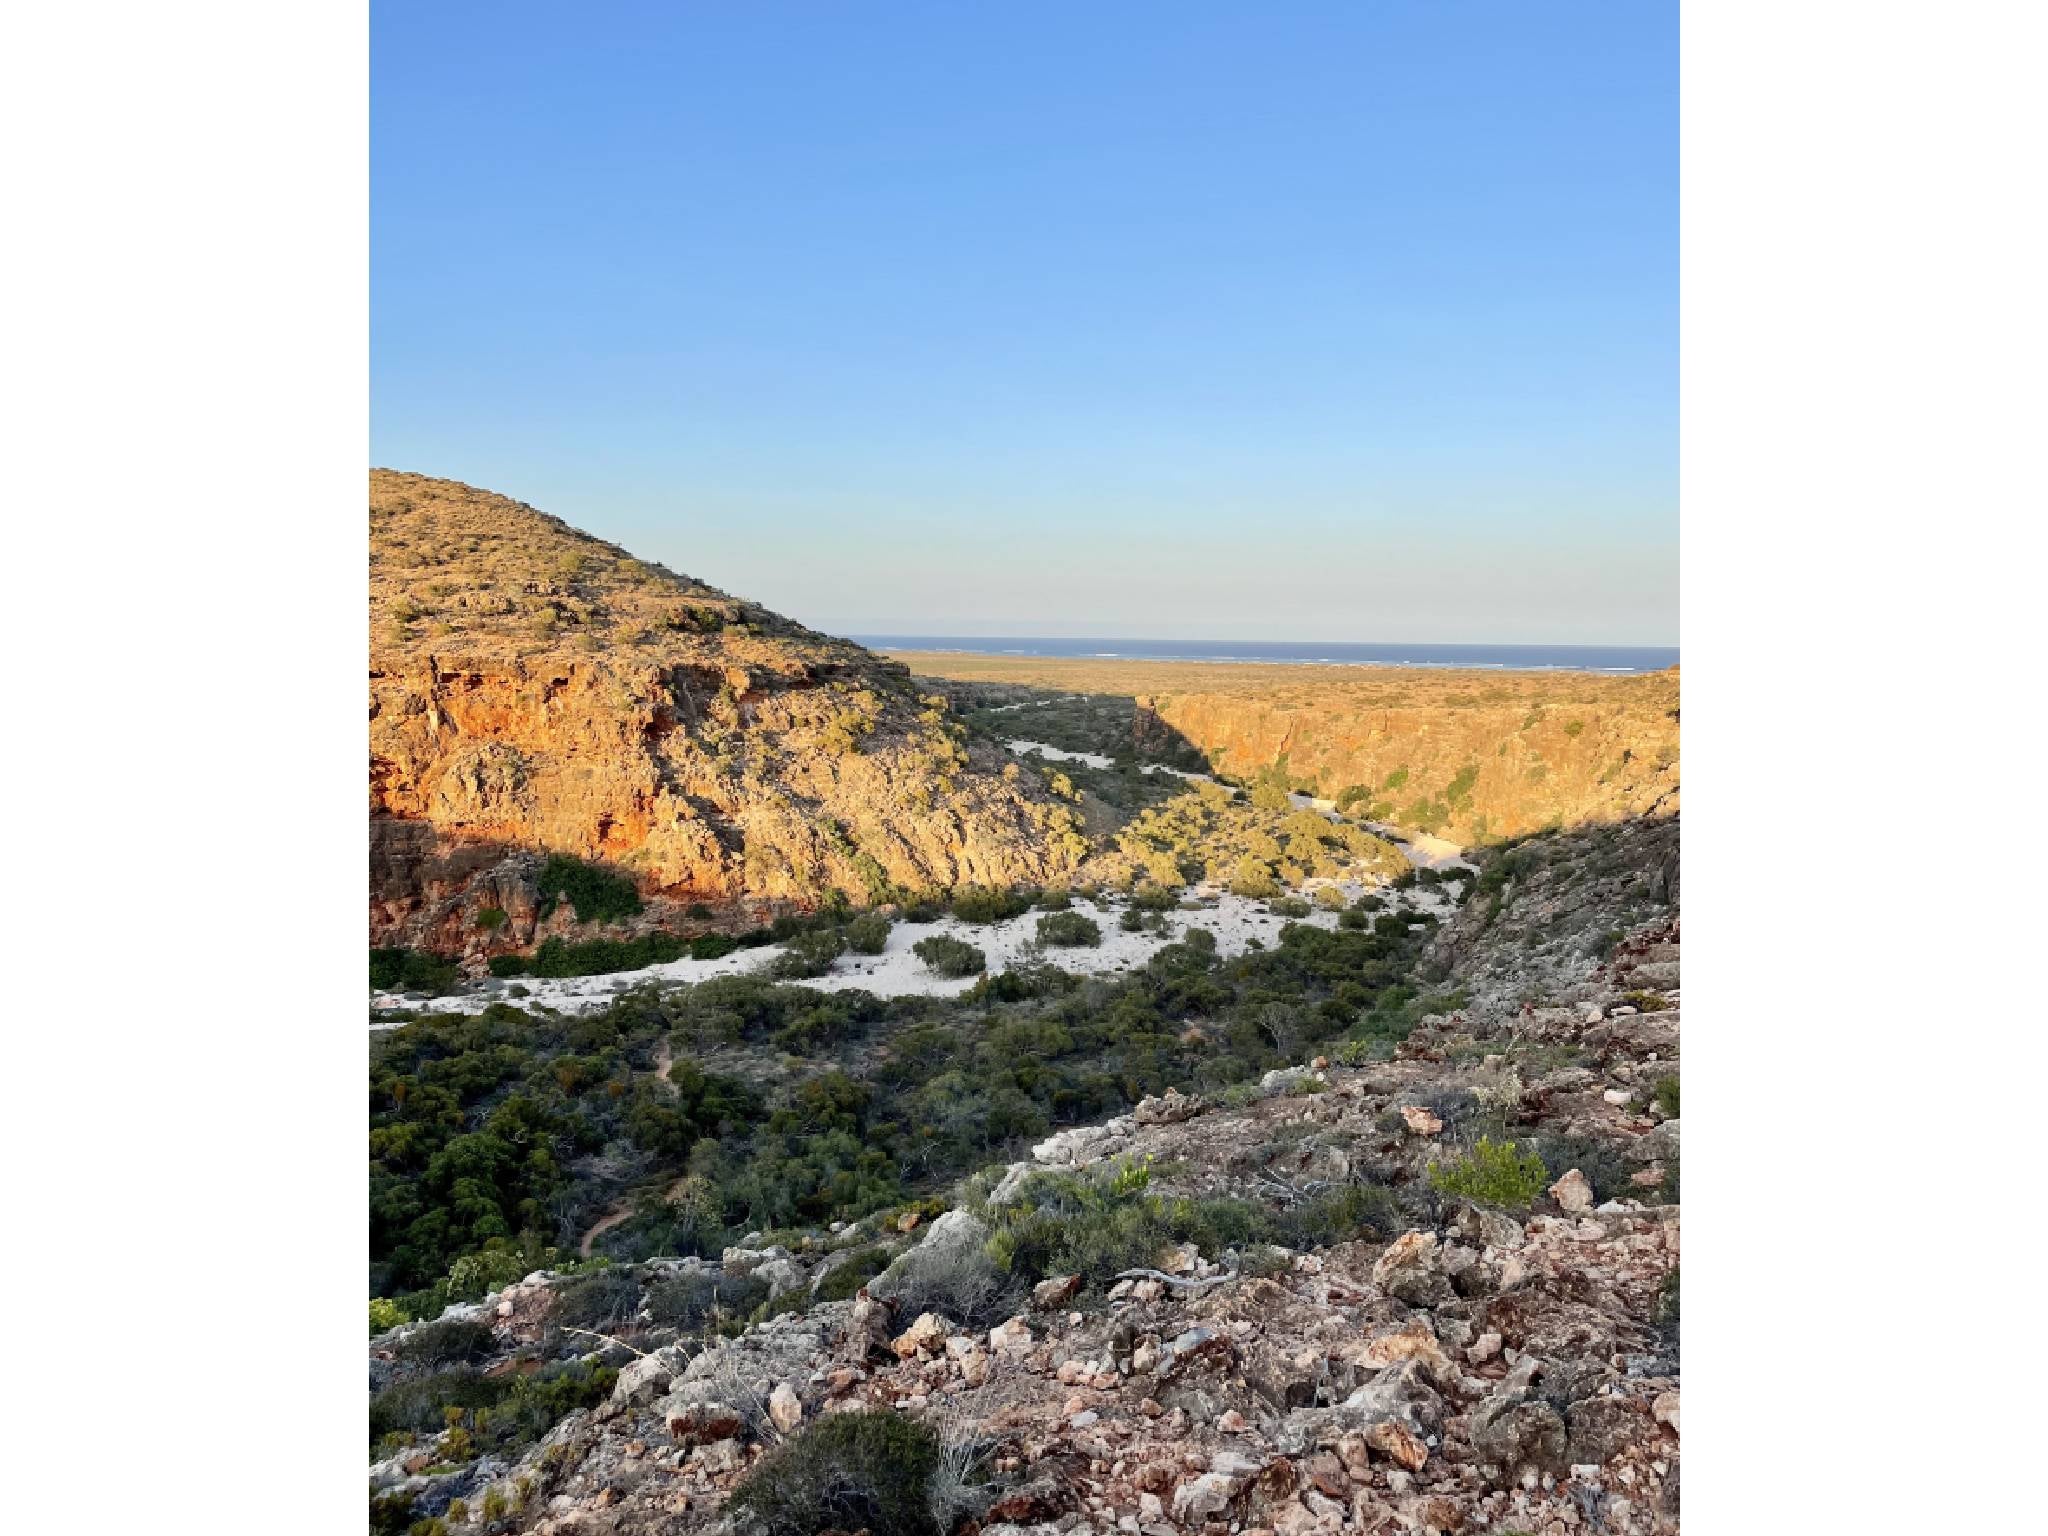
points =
(491, 918)
(949, 956)
(1288, 906)
(868, 933)
(598, 1302)
(411, 970)
(1600, 1161)
(452, 1341)
(712, 946)
(385, 1315)
(517, 1409)
(694, 1298)
(979, 904)
(862, 1471)
(1665, 1096)
(1255, 881)
(964, 1284)
(842, 1282)
(808, 954)
(557, 957)
(1069, 930)
(1492, 1173)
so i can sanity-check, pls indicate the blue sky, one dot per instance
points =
(1340, 322)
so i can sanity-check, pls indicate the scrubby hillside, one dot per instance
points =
(534, 691)
(1467, 755)
(1420, 1275)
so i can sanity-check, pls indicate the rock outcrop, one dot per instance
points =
(535, 691)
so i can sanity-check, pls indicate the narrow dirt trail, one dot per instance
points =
(664, 1058)
(623, 1211)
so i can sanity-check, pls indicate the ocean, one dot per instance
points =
(1506, 658)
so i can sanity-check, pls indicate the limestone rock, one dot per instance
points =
(1573, 1193)
(785, 1408)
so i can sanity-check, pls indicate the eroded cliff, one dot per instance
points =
(534, 690)
(1467, 755)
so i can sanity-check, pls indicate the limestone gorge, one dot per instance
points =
(940, 1095)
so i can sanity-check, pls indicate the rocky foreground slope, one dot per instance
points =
(534, 691)
(1465, 754)
(1494, 1349)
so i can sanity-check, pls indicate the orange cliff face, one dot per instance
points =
(535, 691)
(1467, 755)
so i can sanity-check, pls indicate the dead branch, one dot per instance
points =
(590, 1334)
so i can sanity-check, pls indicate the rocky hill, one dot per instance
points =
(1424, 1282)
(534, 691)
(1463, 754)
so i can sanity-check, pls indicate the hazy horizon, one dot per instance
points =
(1331, 323)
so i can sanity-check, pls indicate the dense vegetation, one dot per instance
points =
(503, 1133)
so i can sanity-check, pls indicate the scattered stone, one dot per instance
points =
(1573, 1193)
(1420, 1121)
(921, 1339)
(1665, 1410)
(785, 1409)
(1168, 1109)
(1049, 1295)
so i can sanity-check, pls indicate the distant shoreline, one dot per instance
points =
(1607, 660)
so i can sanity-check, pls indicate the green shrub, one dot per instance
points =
(491, 918)
(712, 946)
(1155, 898)
(808, 954)
(1288, 906)
(452, 1341)
(1069, 930)
(411, 970)
(1665, 1096)
(949, 956)
(841, 1283)
(475, 1275)
(979, 904)
(1055, 899)
(504, 966)
(855, 1471)
(385, 1315)
(1492, 1173)
(1330, 898)
(600, 957)
(599, 1302)
(1254, 880)
(598, 895)
(867, 934)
